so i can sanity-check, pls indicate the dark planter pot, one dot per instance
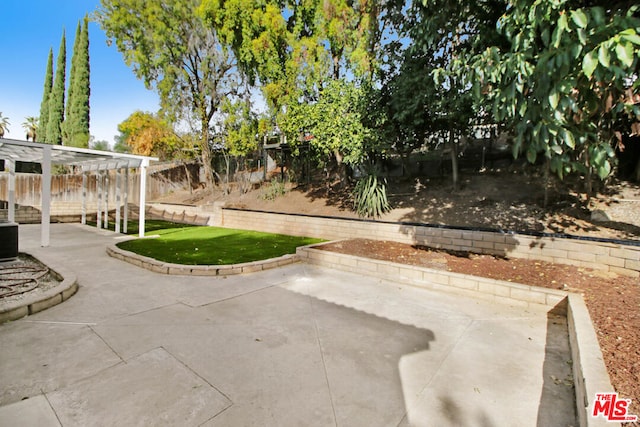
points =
(8, 241)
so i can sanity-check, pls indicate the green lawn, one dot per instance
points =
(214, 245)
(150, 225)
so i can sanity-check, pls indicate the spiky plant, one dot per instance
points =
(370, 196)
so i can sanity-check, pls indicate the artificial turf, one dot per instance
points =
(214, 245)
(149, 225)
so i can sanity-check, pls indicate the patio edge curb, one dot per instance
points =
(67, 287)
(198, 270)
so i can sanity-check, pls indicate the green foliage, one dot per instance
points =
(149, 134)
(76, 124)
(305, 55)
(275, 189)
(30, 125)
(240, 127)
(56, 99)
(121, 145)
(173, 50)
(4, 125)
(99, 145)
(563, 85)
(370, 196)
(70, 92)
(44, 105)
(214, 245)
(426, 88)
(335, 121)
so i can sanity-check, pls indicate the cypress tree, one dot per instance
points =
(67, 125)
(79, 106)
(56, 100)
(44, 105)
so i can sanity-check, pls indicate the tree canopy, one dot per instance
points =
(44, 105)
(56, 98)
(365, 77)
(148, 134)
(565, 83)
(172, 50)
(76, 124)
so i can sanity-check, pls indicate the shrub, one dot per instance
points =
(370, 196)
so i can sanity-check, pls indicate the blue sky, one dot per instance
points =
(29, 29)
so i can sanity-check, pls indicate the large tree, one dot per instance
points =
(306, 55)
(567, 81)
(76, 124)
(56, 100)
(44, 105)
(70, 91)
(171, 49)
(444, 35)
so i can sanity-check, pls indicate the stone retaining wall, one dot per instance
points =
(622, 257)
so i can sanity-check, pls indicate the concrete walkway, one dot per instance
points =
(294, 346)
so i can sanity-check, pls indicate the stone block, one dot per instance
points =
(610, 261)
(463, 282)
(14, 314)
(493, 287)
(70, 291)
(252, 267)
(632, 264)
(582, 256)
(452, 234)
(388, 269)
(483, 244)
(529, 295)
(45, 303)
(411, 273)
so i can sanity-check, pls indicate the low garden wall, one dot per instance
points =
(622, 257)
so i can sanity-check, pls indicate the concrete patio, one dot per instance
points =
(297, 345)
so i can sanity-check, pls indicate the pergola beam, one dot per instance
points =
(90, 161)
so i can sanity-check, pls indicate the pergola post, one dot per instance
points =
(143, 195)
(11, 214)
(99, 191)
(125, 186)
(46, 197)
(84, 198)
(117, 200)
(106, 199)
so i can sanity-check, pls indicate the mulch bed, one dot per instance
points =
(613, 301)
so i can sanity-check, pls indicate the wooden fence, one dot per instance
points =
(68, 188)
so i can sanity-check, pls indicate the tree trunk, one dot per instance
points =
(454, 160)
(206, 155)
(547, 168)
(341, 169)
(188, 176)
(589, 178)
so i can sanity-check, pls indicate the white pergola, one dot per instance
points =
(12, 150)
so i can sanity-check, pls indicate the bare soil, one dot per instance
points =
(508, 200)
